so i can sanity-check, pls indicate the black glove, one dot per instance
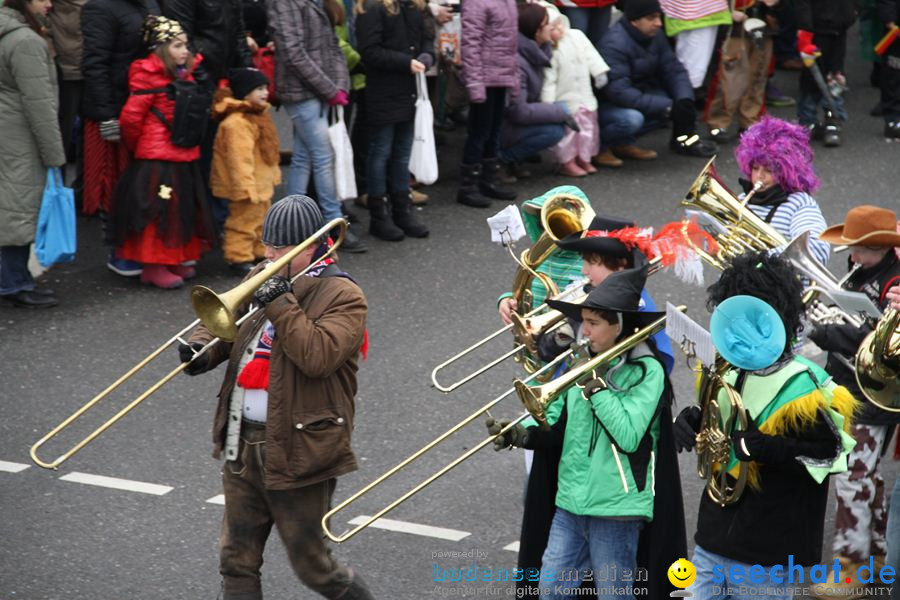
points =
(271, 289)
(818, 335)
(186, 353)
(513, 437)
(685, 428)
(569, 122)
(750, 444)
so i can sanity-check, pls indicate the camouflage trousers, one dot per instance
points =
(861, 519)
(250, 512)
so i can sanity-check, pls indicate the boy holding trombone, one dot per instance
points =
(285, 411)
(610, 438)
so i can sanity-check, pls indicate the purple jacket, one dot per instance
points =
(526, 108)
(489, 32)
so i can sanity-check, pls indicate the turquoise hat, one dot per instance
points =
(747, 332)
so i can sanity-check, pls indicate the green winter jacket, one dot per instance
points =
(590, 478)
(31, 141)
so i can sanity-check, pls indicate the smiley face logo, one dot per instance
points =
(682, 573)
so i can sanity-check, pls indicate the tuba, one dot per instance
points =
(714, 438)
(878, 363)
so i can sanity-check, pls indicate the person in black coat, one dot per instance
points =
(396, 44)
(647, 87)
(216, 30)
(889, 14)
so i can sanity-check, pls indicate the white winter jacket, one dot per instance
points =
(575, 61)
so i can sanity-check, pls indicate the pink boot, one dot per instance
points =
(585, 165)
(183, 271)
(572, 169)
(160, 276)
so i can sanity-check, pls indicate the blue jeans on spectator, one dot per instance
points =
(312, 152)
(387, 166)
(893, 536)
(578, 544)
(623, 126)
(808, 105)
(594, 22)
(704, 587)
(532, 139)
(14, 274)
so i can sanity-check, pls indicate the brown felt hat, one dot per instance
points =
(865, 225)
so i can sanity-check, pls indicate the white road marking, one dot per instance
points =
(117, 484)
(514, 547)
(414, 528)
(12, 467)
(220, 499)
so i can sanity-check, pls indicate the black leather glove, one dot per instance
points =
(271, 289)
(818, 335)
(513, 437)
(750, 443)
(186, 353)
(569, 122)
(685, 428)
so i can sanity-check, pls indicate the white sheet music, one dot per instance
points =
(689, 335)
(506, 226)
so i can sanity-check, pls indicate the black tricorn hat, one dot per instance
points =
(620, 292)
(592, 240)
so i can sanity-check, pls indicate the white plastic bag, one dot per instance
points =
(423, 159)
(344, 175)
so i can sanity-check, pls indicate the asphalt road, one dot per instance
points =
(64, 540)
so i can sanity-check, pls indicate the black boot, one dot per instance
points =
(405, 216)
(358, 590)
(468, 194)
(491, 183)
(380, 223)
(831, 135)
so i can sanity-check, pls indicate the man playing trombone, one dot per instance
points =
(285, 412)
(861, 517)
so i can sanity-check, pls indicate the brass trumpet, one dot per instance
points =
(216, 312)
(878, 363)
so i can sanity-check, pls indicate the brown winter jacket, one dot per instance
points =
(312, 379)
(245, 153)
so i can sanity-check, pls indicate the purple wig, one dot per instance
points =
(781, 147)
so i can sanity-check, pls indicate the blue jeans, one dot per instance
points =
(532, 139)
(387, 166)
(594, 22)
(893, 536)
(14, 274)
(622, 126)
(704, 587)
(312, 151)
(808, 105)
(578, 544)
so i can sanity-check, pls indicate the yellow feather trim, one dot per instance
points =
(846, 405)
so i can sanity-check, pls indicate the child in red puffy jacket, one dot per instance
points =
(158, 215)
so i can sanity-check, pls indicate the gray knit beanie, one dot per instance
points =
(291, 220)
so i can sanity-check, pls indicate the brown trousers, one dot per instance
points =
(740, 83)
(250, 512)
(243, 231)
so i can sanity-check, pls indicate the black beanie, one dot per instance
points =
(291, 220)
(635, 9)
(244, 81)
(530, 18)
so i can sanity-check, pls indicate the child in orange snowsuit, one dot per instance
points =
(245, 166)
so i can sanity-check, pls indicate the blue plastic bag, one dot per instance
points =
(54, 241)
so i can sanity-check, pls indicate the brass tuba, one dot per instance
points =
(878, 363)
(714, 437)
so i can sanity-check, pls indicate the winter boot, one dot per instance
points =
(892, 131)
(405, 216)
(380, 223)
(358, 590)
(831, 131)
(491, 183)
(468, 194)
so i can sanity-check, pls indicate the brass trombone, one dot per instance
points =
(451, 465)
(561, 216)
(216, 312)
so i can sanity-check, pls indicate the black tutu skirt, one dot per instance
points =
(171, 196)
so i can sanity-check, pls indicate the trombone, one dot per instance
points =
(217, 312)
(561, 215)
(449, 466)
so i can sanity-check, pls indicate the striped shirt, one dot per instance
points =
(799, 213)
(688, 10)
